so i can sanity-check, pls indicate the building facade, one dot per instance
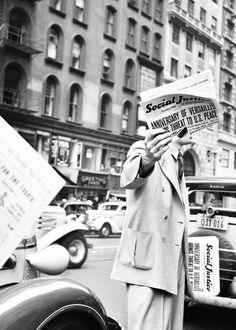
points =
(71, 74)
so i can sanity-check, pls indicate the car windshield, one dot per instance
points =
(108, 207)
(221, 199)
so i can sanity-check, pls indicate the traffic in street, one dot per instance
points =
(95, 274)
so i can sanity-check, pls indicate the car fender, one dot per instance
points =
(49, 297)
(60, 231)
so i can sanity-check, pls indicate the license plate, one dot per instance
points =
(217, 222)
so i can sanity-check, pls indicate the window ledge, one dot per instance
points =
(131, 48)
(129, 90)
(107, 82)
(73, 122)
(104, 129)
(50, 117)
(53, 61)
(77, 71)
(109, 37)
(158, 22)
(147, 15)
(155, 59)
(83, 24)
(133, 6)
(143, 54)
(57, 12)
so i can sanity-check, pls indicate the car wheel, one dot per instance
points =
(105, 231)
(76, 245)
(71, 322)
(227, 258)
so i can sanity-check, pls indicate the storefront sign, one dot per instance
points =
(93, 180)
(203, 265)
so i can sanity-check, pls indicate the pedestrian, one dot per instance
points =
(152, 256)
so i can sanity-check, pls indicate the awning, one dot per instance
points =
(70, 175)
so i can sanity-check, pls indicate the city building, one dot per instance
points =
(194, 43)
(71, 74)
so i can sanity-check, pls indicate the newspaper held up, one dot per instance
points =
(27, 185)
(190, 102)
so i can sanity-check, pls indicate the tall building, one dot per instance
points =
(193, 43)
(71, 73)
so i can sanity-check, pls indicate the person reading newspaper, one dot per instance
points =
(152, 255)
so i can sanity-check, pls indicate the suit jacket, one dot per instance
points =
(154, 233)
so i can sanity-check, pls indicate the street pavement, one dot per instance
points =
(95, 274)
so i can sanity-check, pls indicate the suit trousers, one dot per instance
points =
(154, 309)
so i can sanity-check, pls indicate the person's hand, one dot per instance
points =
(156, 143)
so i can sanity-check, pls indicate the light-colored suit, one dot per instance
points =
(155, 227)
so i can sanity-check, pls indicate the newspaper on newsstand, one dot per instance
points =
(189, 103)
(27, 185)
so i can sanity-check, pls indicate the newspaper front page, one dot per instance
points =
(27, 185)
(190, 102)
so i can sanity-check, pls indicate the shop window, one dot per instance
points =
(157, 46)
(129, 74)
(144, 47)
(175, 33)
(126, 118)
(105, 111)
(131, 34)
(108, 65)
(78, 53)
(80, 7)
(110, 21)
(50, 96)
(158, 10)
(174, 68)
(60, 151)
(73, 112)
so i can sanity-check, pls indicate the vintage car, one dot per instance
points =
(212, 203)
(53, 228)
(107, 219)
(49, 303)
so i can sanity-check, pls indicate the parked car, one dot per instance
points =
(212, 203)
(77, 207)
(49, 303)
(107, 219)
(52, 228)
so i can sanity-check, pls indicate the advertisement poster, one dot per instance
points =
(27, 185)
(203, 265)
(186, 103)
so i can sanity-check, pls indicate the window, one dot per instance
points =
(213, 23)
(157, 46)
(75, 92)
(201, 49)
(230, 28)
(57, 4)
(158, 10)
(174, 68)
(225, 158)
(107, 66)
(79, 10)
(203, 16)
(55, 43)
(226, 121)
(105, 111)
(231, 3)
(191, 7)
(212, 58)
(78, 49)
(144, 39)
(146, 6)
(229, 59)
(227, 91)
(215, 1)
(12, 85)
(175, 33)
(50, 96)
(110, 23)
(235, 160)
(131, 35)
(187, 71)
(189, 41)
(126, 117)
(129, 74)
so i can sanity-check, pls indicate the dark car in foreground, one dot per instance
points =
(212, 203)
(48, 303)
